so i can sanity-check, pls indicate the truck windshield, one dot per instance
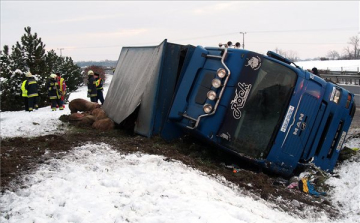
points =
(264, 109)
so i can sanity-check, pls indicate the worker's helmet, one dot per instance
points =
(53, 76)
(90, 72)
(28, 74)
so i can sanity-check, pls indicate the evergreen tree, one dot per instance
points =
(67, 68)
(71, 73)
(33, 51)
(11, 80)
(29, 55)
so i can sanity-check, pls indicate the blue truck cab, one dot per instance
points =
(262, 107)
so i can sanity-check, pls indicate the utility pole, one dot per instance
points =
(60, 51)
(243, 33)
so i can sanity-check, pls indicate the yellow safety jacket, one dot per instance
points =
(23, 89)
(99, 84)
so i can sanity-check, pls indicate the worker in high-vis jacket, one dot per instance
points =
(24, 94)
(62, 86)
(54, 93)
(92, 92)
(30, 93)
(99, 88)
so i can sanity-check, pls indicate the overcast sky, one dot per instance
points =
(96, 30)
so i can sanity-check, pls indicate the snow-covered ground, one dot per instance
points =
(42, 121)
(333, 65)
(95, 183)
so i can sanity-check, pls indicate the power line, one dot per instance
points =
(92, 47)
(201, 37)
(233, 33)
(307, 30)
(269, 31)
(322, 43)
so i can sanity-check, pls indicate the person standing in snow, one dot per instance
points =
(92, 93)
(62, 86)
(54, 92)
(36, 99)
(24, 92)
(99, 88)
(30, 93)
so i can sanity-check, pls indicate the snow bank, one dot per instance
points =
(333, 65)
(345, 193)
(97, 184)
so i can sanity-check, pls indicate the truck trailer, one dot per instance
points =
(260, 107)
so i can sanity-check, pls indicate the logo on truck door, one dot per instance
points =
(300, 124)
(240, 98)
(254, 63)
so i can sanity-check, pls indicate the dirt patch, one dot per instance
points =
(20, 156)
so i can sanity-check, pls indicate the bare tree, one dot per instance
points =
(354, 42)
(280, 52)
(333, 54)
(291, 55)
(347, 53)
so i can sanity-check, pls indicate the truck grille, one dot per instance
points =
(336, 139)
(323, 136)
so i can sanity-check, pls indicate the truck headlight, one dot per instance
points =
(221, 72)
(216, 83)
(335, 95)
(211, 95)
(207, 108)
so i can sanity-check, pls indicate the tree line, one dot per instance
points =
(350, 52)
(104, 63)
(29, 54)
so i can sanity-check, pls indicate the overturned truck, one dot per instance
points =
(262, 107)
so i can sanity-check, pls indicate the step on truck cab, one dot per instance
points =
(262, 107)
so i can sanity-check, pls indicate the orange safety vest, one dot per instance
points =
(62, 85)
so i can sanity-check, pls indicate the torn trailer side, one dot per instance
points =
(145, 81)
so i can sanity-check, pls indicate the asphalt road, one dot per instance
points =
(355, 90)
